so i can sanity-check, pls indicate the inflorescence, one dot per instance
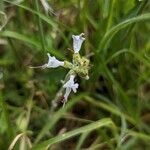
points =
(79, 66)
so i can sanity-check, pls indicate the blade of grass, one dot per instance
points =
(49, 21)
(116, 54)
(139, 135)
(16, 54)
(122, 131)
(40, 28)
(124, 98)
(106, 8)
(111, 14)
(109, 108)
(136, 55)
(3, 20)
(81, 140)
(110, 33)
(28, 40)
(137, 12)
(99, 146)
(87, 128)
(43, 17)
(7, 118)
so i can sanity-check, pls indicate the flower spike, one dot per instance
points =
(77, 42)
(78, 66)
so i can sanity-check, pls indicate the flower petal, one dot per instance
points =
(70, 85)
(68, 90)
(53, 62)
(77, 42)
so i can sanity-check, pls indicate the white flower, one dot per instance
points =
(53, 62)
(77, 42)
(70, 85)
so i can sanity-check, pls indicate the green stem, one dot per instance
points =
(81, 140)
(6, 116)
(40, 27)
(110, 19)
(13, 48)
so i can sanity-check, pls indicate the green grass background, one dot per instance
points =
(111, 110)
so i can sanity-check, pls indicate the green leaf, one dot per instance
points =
(3, 20)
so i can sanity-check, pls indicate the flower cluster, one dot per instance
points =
(78, 66)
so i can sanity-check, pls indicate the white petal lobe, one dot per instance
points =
(53, 62)
(77, 42)
(70, 85)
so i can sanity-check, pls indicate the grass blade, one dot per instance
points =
(28, 40)
(40, 28)
(98, 124)
(110, 33)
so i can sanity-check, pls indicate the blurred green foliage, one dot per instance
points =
(115, 100)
